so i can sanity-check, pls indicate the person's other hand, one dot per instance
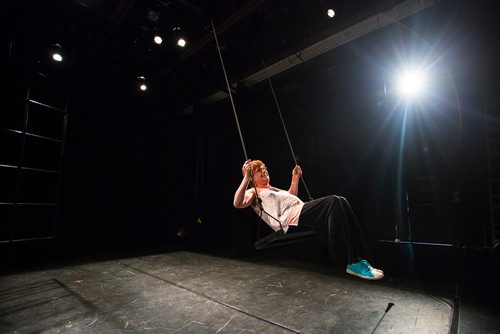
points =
(297, 171)
(247, 168)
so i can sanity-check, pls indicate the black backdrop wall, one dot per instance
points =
(137, 174)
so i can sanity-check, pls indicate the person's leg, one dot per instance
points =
(360, 248)
(338, 228)
(326, 215)
(315, 214)
(358, 264)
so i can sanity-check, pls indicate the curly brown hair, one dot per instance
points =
(257, 165)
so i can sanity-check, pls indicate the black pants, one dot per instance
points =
(338, 228)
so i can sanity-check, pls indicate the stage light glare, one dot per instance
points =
(181, 42)
(57, 57)
(411, 83)
(331, 13)
(158, 40)
(141, 81)
(56, 52)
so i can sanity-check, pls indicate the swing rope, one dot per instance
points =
(229, 91)
(280, 235)
(258, 200)
(284, 128)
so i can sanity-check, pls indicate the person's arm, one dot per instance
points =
(244, 197)
(294, 185)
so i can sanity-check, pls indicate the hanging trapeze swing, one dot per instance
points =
(280, 237)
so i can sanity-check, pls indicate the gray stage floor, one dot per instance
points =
(184, 292)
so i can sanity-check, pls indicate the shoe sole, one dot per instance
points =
(374, 278)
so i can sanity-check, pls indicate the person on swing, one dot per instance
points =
(331, 217)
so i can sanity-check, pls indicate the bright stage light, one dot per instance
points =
(411, 83)
(56, 52)
(181, 42)
(331, 13)
(142, 83)
(179, 38)
(57, 57)
(158, 40)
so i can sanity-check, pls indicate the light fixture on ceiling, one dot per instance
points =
(157, 39)
(330, 12)
(179, 39)
(141, 81)
(181, 42)
(56, 52)
(153, 15)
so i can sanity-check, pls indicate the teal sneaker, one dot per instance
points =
(364, 270)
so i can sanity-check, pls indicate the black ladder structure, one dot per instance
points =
(493, 151)
(33, 125)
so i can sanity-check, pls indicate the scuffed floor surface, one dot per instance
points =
(185, 292)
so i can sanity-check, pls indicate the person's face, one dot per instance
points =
(261, 177)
